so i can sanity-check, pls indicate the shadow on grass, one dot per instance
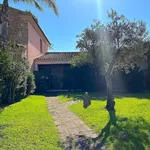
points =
(2, 107)
(119, 133)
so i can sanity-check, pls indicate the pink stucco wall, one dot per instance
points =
(34, 45)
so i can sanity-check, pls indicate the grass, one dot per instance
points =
(28, 125)
(73, 96)
(131, 131)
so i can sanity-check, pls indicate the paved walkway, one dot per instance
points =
(69, 125)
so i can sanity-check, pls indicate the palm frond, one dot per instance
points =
(32, 2)
(38, 6)
(49, 3)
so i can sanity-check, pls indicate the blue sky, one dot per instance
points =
(76, 15)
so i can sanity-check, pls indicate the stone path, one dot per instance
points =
(68, 124)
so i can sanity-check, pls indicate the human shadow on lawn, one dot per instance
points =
(121, 133)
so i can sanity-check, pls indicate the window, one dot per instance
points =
(40, 45)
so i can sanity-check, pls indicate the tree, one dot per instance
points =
(37, 3)
(117, 45)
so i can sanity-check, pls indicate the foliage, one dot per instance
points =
(81, 59)
(30, 84)
(112, 47)
(38, 4)
(147, 77)
(4, 63)
(108, 46)
(14, 77)
(28, 125)
(135, 80)
(131, 130)
(29, 12)
(41, 84)
(16, 73)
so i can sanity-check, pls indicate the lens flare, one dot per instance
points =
(118, 80)
(99, 8)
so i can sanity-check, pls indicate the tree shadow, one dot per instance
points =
(79, 142)
(2, 107)
(124, 133)
(105, 132)
(119, 133)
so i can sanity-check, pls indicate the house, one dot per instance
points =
(24, 29)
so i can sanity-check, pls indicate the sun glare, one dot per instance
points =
(99, 8)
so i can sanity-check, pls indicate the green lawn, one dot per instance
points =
(73, 96)
(28, 125)
(132, 129)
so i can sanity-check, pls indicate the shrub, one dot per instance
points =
(30, 84)
(136, 80)
(15, 72)
(41, 84)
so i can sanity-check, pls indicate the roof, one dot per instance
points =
(58, 56)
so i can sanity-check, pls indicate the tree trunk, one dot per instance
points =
(4, 21)
(110, 99)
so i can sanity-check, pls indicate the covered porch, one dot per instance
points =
(54, 72)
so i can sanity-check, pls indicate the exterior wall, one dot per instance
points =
(22, 29)
(17, 26)
(34, 45)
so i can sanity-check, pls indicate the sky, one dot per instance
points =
(76, 15)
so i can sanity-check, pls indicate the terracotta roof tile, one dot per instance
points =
(58, 56)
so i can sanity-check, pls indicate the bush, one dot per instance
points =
(30, 84)
(40, 82)
(136, 80)
(14, 74)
